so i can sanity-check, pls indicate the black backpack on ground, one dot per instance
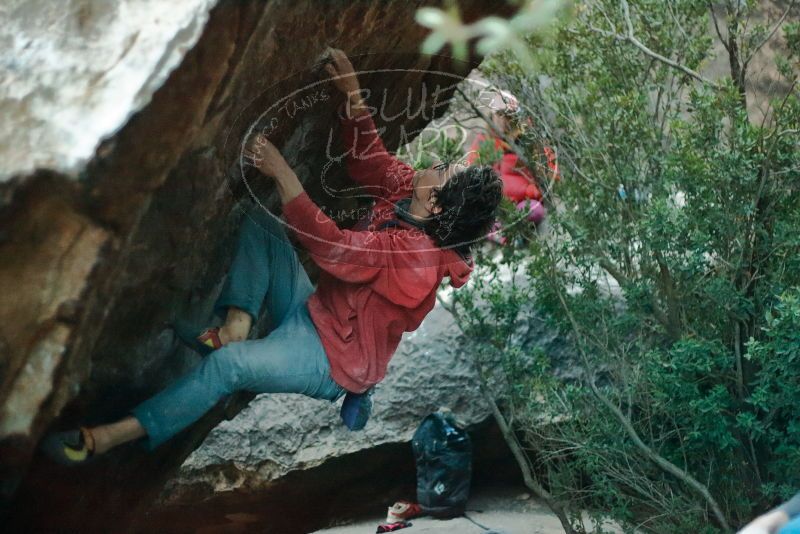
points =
(443, 454)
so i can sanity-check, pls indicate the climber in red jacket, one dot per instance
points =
(378, 280)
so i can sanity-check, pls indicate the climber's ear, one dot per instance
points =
(432, 205)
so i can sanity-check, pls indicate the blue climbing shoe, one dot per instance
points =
(356, 409)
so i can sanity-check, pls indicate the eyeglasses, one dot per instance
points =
(441, 169)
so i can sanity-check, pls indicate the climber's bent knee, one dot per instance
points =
(226, 368)
(258, 220)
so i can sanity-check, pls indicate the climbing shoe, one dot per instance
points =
(402, 511)
(200, 340)
(356, 409)
(72, 447)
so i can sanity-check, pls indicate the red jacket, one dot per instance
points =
(375, 284)
(518, 180)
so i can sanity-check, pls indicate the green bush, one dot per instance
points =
(671, 263)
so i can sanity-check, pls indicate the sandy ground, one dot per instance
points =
(499, 510)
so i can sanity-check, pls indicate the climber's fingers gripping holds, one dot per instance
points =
(263, 155)
(344, 78)
(342, 73)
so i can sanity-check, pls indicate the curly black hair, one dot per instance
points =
(469, 202)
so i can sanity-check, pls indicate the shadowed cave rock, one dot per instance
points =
(340, 490)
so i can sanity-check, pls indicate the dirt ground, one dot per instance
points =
(508, 510)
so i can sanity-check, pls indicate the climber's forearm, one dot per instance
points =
(288, 185)
(344, 77)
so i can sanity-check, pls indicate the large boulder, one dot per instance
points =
(285, 456)
(277, 434)
(120, 191)
(74, 71)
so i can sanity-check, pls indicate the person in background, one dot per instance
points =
(520, 184)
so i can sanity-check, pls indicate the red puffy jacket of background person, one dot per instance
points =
(518, 181)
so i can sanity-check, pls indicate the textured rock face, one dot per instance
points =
(74, 70)
(286, 454)
(280, 433)
(97, 257)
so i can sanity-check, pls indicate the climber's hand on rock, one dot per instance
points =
(266, 157)
(342, 73)
(263, 155)
(344, 78)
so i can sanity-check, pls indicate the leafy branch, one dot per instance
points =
(630, 37)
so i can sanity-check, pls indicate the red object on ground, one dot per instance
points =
(374, 285)
(402, 510)
(391, 527)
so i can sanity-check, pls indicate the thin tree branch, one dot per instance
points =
(630, 37)
(738, 71)
(659, 460)
(668, 284)
(768, 36)
(716, 25)
(737, 349)
(652, 54)
(511, 439)
(522, 460)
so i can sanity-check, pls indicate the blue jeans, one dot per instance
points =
(290, 359)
